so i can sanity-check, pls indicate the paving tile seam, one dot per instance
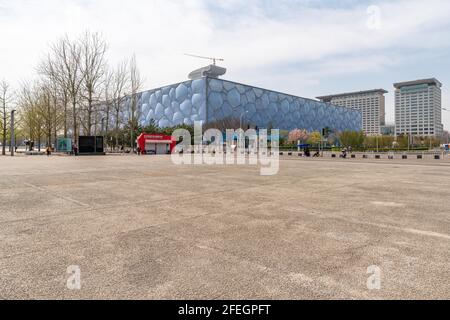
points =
(272, 271)
(113, 235)
(56, 195)
(91, 209)
(384, 226)
(373, 162)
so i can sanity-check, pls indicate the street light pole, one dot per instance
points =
(321, 143)
(377, 144)
(447, 110)
(13, 138)
(241, 129)
(242, 115)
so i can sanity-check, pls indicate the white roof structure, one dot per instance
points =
(211, 71)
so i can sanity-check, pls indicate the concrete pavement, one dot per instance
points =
(143, 228)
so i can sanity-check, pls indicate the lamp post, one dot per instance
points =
(103, 134)
(377, 144)
(242, 115)
(13, 138)
(447, 110)
(240, 127)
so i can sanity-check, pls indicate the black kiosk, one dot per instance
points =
(91, 145)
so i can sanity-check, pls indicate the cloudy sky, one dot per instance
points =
(303, 47)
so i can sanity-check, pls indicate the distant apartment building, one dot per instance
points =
(418, 108)
(371, 104)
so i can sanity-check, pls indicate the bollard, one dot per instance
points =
(377, 157)
(281, 153)
(333, 156)
(437, 157)
(404, 157)
(353, 156)
(300, 154)
(290, 154)
(391, 157)
(419, 156)
(365, 156)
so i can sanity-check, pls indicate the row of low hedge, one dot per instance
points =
(396, 149)
(383, 149)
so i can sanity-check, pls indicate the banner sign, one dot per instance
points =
(64, 145)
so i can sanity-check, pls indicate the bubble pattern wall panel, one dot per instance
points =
(212, 100)
(268, 108)
(173, 105)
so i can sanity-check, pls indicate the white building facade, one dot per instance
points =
(371, 104)
(418, 108)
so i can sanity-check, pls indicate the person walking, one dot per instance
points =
(48, 151)
(75, 150)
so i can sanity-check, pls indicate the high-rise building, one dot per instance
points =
(418, 108)
(371, 104)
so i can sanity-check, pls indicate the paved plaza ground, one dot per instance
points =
(143, 228)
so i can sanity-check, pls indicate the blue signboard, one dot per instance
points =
(64, 145)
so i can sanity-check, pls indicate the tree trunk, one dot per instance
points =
(65, 121)
(65, 115)
(31, 139)
(49, 125)
(132, 134)
(107, 126)
(4, 127)
(4, 137)
(117, 129)
(55, 141)
(90, 111)
(74, 108)
(117, 136)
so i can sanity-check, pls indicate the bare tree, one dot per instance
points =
(63, 66)
(59, 110)
(52, 73)
(46, 107)
(30, 115)
(108, 89)
(5, 100)
(120, 87)
(93, 64)
(136, 84)
(24, 106)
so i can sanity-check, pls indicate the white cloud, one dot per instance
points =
(255, 37)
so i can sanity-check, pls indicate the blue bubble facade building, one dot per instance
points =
(211, 100)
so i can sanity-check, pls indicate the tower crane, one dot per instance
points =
(214, 60)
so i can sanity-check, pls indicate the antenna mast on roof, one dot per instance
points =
(206, 58)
